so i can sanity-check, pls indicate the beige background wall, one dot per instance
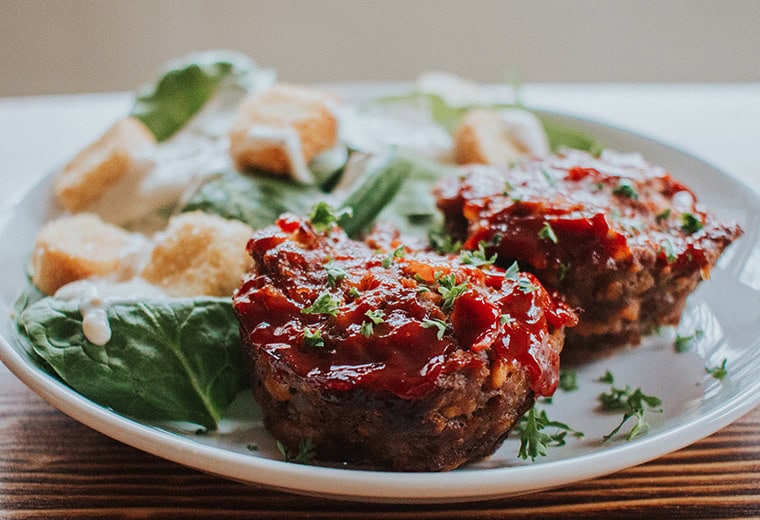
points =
(59, 46)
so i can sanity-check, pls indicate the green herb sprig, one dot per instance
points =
(325, 303)
(568, 380)
(335, 274)
(440, 325)
(512, 271)
(323, 216)
(449, 290)
(477, 258)
(442, 243)
(533, 441)
(304, 455)
(399, 252)
(547, 233)
(313, 337)
(375, 318)
(690, 223)
(719, 372)
(625, 189)
(684, 343)
(633, 403)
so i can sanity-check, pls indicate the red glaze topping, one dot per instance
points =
(578, 210)
(344, 315)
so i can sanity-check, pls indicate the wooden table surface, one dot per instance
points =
(52, 467)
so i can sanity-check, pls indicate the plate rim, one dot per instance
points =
(396, 487)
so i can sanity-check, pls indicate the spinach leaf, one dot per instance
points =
(174, 359)
(413, 210)
(255, 199)
(374, 188)
(566, 137)
(168, 104)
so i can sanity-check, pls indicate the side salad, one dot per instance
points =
(178, 358)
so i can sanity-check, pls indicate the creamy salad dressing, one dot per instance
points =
(96, 294)
(162, 173)
(287, 138)
(372, 131)
(525, 131)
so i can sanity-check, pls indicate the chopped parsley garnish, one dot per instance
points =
(507, 188)
(506, 319)
(450, 290)
(526, 286)
(399, 252)
(442, 243)
(313, 337)
(533, 441)
(625, 189)
(690, 223)
(662, 217)
(548, 176)
(670, 254)
(547, 233)
(477, 258)
(568, 380)
(718, 372)
(563, 269)
(326, 303)
(438, 324)
(607, 378)
(354, 292)
(683, 343)
(512, 272)
(633, 403)
(334, 274)
(323, 216)
(252, 447)
(367, 329)
(375, 316)
(304, 455)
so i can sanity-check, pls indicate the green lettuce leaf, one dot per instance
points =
(188, 83)
(379, 182)
(393, 186)
(413, 210)
(174, 359)
(254, 199)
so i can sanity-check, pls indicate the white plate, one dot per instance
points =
(695, 405)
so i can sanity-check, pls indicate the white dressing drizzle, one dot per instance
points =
(525, 131)
(287, 138)
(94, 297)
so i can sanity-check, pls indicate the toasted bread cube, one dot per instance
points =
(281, 129)
(76, 247)
(199, 254)
(498, 137)
(103, 163)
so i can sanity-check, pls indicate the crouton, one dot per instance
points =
(281, 129)
(498, 137)
(103, 163)
(199, 254)
(77, 247)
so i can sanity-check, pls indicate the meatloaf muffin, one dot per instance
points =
(618, 238)
(391, 359)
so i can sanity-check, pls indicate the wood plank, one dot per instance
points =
(53, 467)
